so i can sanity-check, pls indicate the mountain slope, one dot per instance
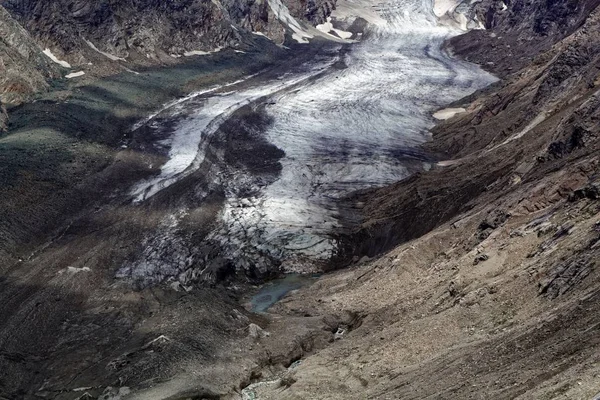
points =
(517, 31)
(23, 67)
(485, 277)
(149, 29)
(107, 37)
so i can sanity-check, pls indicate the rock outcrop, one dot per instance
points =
(104, 37)
(517, 31)
(23, 68)
(3, 117)
(152, 29)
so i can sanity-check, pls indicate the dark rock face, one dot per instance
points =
(3, 117)
(515, 34)
(23, 69)
(145, 26)
(154, 28)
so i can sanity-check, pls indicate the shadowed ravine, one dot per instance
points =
(350, 120)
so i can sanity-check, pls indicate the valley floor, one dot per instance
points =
(475, 279)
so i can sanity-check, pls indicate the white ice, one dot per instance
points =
(448, 113)
(48, 53)
(443, 7)
(346, 130)
(75, 75)
(341, 131)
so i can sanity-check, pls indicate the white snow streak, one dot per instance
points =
(327, 27)
(65, 64)
(201, 52)
(75, 75)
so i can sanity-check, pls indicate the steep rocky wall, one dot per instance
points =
(541, 119)
(152, 28)
(23, 67)
(122, 27)
(518, 30)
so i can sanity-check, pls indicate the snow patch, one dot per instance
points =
(541, 117)
(174, 103)
(107, 55)
(283, 14)
(75, 75)
(448, 113)
(327, 28)
(201, 52)
(74, 270)
(65, 64)
(444, 7)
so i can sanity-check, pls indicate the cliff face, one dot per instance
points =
(23, 67)
(517, 31)
(153, 28)
(103, 37)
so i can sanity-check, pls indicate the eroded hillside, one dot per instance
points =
(108, 37)
(487, 286)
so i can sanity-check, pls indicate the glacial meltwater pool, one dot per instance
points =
(275, 290)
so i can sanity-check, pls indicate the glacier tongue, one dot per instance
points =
(352, 129)
(342, 128)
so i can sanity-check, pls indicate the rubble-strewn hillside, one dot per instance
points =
(475, 279)
(485, 277)
(518, 30)
(106, 37)
(23, 67)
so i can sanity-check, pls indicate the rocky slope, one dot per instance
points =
(480, 276)
(23, 67)
(485, 277)
(106, 37)
(518, 31)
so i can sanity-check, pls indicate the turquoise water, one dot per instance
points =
(275, 290)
